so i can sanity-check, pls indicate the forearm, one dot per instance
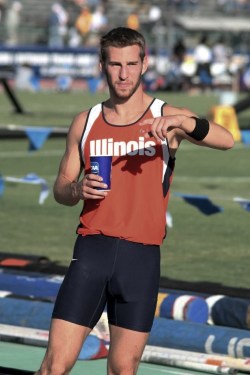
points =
(66, 192)
(207, 133)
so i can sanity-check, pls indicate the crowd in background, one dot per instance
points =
(78, 22)
(211, 62)
(62, 30)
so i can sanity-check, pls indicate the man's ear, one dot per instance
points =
(100, 67)
(144, 65)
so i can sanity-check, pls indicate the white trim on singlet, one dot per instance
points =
(93, 114)
(156, 109)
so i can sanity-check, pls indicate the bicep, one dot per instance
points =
(169, 110)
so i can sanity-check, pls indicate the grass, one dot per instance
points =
(212, 247)
(198, 247)
(57, 109)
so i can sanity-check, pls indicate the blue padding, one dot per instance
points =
(33, 314)
(2, 185)
(197, 311)
(200, 337)
(245, 203)
(245, 136)
(42, 287)
(166, 308)
(202, 202)
(37, 137)
(91, 348)
(231, 312)
(93, 84)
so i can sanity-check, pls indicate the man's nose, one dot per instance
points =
(123, 72)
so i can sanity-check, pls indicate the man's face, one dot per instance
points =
(123, 69)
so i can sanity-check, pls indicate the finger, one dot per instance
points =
(95, 194)
(93, 186)
(92, 181)
(93, 177)
(90, 196)
(162, 129)
(156, 129)
(146, 133)
(147, 121)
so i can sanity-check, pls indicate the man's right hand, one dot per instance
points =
(87, 187)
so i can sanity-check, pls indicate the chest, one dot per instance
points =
(117, 141)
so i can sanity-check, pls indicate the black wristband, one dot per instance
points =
(201, 129)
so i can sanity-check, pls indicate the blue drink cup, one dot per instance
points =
(102, 165)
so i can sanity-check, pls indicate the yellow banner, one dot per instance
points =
(226, 117)
(161, 297)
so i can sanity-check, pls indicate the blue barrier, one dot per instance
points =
(28, 285)
(200, 338)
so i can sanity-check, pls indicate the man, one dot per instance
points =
(203, 59)
(116, 258)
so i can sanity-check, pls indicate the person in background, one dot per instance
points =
(203, 60)
(174, 78)
(12, 23)
(58, 25)
(133, 21)
(98, 25)
(2, 10)
(83, 23)
(179, 51)
(221, 52)
(99, 20)
(116, 258)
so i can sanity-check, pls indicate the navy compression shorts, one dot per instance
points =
(114, 273)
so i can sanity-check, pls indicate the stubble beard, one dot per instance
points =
(122, 95)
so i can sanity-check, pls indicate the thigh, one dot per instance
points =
(65, 343)
(83, 293)
(134, 286)
(126, 348)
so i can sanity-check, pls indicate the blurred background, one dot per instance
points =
(199, 57)
(182, 37)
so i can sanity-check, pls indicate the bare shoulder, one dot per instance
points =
(169, 110)
(77, 125)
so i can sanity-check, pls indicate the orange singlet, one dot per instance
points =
(142, 170)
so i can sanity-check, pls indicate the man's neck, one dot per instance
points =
(127, 111)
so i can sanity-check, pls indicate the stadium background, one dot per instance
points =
(203, 252)
(48, 104)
